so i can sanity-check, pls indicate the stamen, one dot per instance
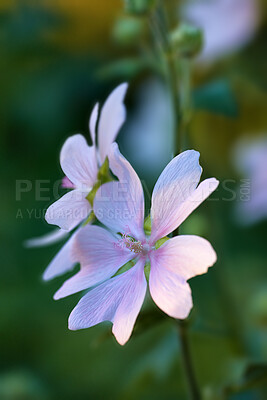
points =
(132, 244)
(128, 241)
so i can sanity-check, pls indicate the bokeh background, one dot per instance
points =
(57, 59)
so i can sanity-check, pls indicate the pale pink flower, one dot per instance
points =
(63, 261)
(228, 25)
(251, 160)
(120, 207)
(80, 163)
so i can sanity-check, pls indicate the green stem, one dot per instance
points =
(193, 389)
(176, 102)
(179, 86)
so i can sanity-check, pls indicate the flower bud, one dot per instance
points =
(187, 40)
(258, 306)
(128, 30)
(139, 6)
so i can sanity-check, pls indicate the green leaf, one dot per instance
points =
(216, 97)
(147, 225)
(103, 176)
(161, 241)
(147, 270)
(126, 267)
(124, 69)
(253, 376)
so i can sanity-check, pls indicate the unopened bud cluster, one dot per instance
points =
(187, 40)
(139, 6)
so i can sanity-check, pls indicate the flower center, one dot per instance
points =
(133, 245)
(136, 246)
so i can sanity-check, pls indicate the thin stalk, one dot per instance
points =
(179, 87)
(176, 102)
(193, 389)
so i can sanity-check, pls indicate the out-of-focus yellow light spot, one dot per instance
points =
(7, 4)
(214, 135)
(88, 23)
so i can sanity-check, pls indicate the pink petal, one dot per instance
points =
(62, 262)
(120, 205)
(180, 213)
(112, 117)
(254, 209)
(249, 156)
(171, 293)
(100, 256)
(175, 184)
(67, 184)
(78, 161)
(47, 239)
(69, 210)
(242, 19)
(186, 256)
(118, 300)
(92, 123)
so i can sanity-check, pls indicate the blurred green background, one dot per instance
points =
(57, 59)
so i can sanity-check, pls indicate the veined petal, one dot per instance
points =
(181, 212)
(78, 161)
(186, 256)
(47, 239)
(69, 210)
(112, 117)
(92, 123)
(118, 300)
(170, 292)
(175, 184)
(100, 256)
(120, 205)
(62, 262)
